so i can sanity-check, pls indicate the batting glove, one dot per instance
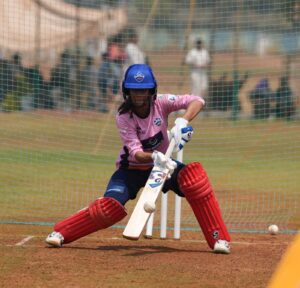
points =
(182, 133)
(160, 159)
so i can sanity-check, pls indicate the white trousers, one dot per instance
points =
(199, 83)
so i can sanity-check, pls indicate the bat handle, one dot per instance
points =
(170, 148)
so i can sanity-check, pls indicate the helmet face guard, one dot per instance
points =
(139, 76)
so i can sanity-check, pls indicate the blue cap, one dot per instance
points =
(139, 76)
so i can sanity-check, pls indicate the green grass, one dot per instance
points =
(52, 164)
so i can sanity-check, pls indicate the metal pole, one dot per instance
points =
(77, 57)
(212, 38)
(37, 40)
(235, 103)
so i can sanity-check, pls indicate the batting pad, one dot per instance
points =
(102, 213)
(198, 191)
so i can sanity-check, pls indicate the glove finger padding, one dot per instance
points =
(159, 159)
(181, 132)
(176, 130)
(171, 166)
(164, 162)
(186, 136)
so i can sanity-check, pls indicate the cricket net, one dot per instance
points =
(60, 68)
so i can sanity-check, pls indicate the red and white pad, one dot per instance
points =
(198, 191)
(102, 213)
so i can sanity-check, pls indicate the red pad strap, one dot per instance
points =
(102, 213)
(198, 191)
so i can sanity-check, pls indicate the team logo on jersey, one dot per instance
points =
(139, 77)
(157, 121)
(153, 142)
(172, 97)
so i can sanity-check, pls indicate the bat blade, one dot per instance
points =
(150, 193)
(139, 216)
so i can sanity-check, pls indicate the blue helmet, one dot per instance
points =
(139, 76)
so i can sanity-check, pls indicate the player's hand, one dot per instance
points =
(164, 162)
(182, 133)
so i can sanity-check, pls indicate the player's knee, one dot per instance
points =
(172, 183)
(193, 181)
(106, 211)
(119, 193)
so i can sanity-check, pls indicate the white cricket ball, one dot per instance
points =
(273, 229)
(149, 207)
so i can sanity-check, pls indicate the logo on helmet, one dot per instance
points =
(139, 77)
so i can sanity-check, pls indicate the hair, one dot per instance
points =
(126, 106)
(199, 42)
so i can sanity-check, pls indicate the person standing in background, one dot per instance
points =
(261, 98)
(285, 107)
(198, 59)
(104, 84)
(116, 56)
(88, 81)
(134, 54)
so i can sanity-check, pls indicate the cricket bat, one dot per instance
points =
(154, 185)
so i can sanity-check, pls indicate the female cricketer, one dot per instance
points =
(142, 120)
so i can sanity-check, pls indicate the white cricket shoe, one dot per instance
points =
(55, 239)
(222, 247)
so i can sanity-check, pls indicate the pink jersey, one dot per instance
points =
(148, 134)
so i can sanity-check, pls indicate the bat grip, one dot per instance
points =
(170, 148)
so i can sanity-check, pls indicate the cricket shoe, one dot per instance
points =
(55, 239)
(222, 247)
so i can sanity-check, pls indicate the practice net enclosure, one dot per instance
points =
(61, 65)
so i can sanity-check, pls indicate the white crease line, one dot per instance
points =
(23, 241)
(238, 243)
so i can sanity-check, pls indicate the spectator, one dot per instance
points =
(285, 107)
(222, 92)
(218, 93)
(17, 85)
(7, 81)
(198, 58)
(40, 89)
(16, 66)
(60, 79)
(134, 54)
(18, 72)
(261, 98)
(104, 83)
(116, 57)
(88, 81)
